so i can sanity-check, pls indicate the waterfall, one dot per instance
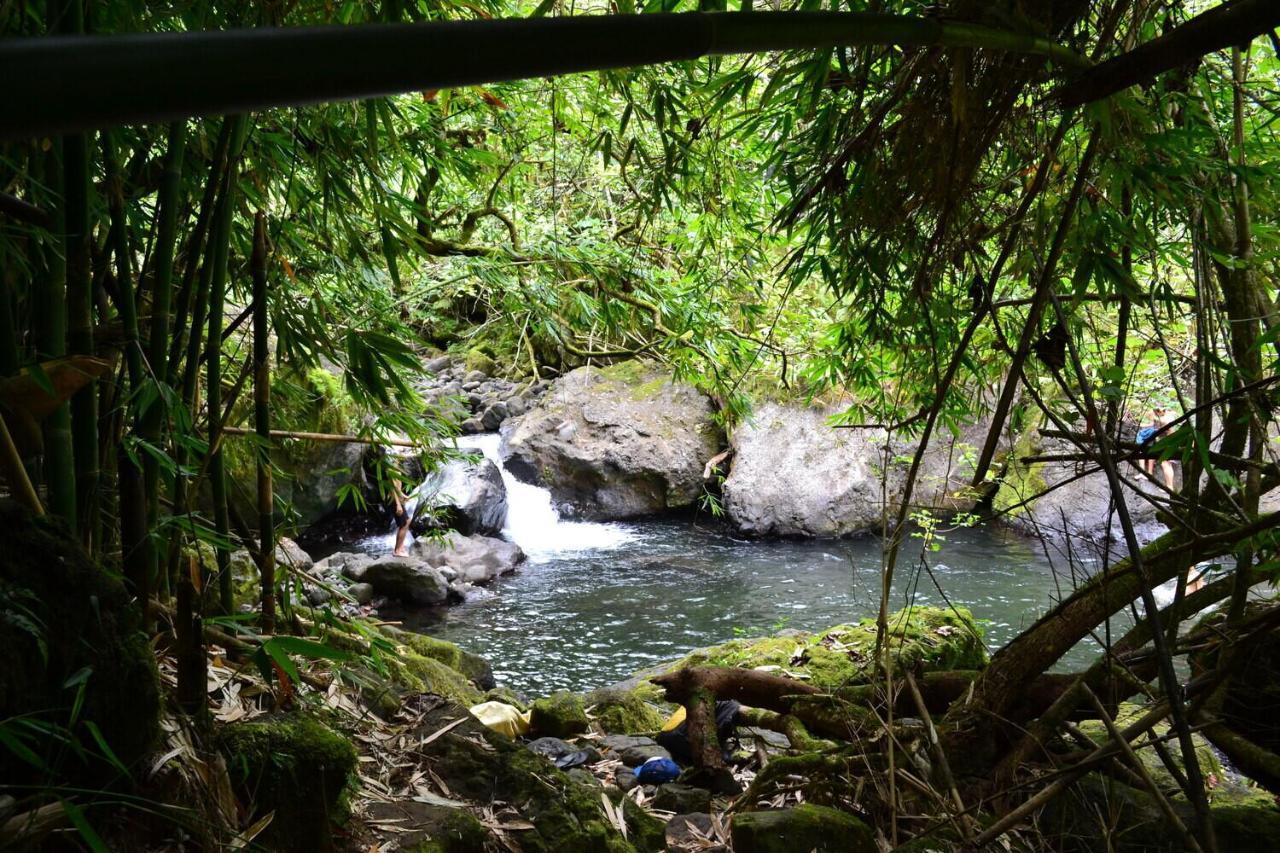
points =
(533, 522)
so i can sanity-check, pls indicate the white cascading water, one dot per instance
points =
(532, 521)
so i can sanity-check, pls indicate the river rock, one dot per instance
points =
(793, 474)
(689, 832)
(438, 365)
(476, 559)
(682, 799)
(468, 496)
(361, 592)
(288, 555)
(1054, 500)
(635, 750)
(412, 580)
(806, 827)
(618, 442)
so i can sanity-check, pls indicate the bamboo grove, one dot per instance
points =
(1062, 251)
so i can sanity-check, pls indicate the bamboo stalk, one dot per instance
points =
(323, 436)
(71, 83)
(266, 556)
(16, 473)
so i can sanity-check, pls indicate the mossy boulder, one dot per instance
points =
(805, 827)
(929, 638)
(623, 712)
(67, 625)
(561, 714)
(481, 766)
(421, 674)
(471, 665)
(478, 359)
(295, 767)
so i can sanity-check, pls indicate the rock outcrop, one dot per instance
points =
(793, 474)
(618, 442)
(1071, 500)
(410, 580)
(467, 496)
(475, 559)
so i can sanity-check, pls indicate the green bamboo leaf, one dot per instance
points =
(87, 833)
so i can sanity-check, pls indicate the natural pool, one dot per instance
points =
(596, 602)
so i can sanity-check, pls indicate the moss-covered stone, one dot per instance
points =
(805, 827)
(478, 359)
(623, 712)
(67, 625)
(422, 674)
(471, 665)
(561, 714)
(295, 767)
(457, 832)
(927, 637)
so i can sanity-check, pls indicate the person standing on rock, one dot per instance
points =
(1160, 417)
(402, 517)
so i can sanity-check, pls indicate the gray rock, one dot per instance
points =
(476, 376)
(634, 750)
(472, 426)
(469, 496)
(793, 474)
(516, 406)
(583, 776)
(412, 580)
(288, 555)
(438, 365)
(317, 595)
(551, 747)
(470, 386)
(615, 443)
(1077, 509)
(494, 416)
(361, 592)
(682, 799)
(477, 559)
(625, 779)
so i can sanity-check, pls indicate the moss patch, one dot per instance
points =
(561, 714)
(472, 666)
(478, 359)
(805, 827)
(427, 675)
(929, 637)
(623, 712)
(296, 767)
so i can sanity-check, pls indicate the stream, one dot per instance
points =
(596, 602)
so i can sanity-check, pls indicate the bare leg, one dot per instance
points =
(1167, 468)
(401, 532)
(1194, 583)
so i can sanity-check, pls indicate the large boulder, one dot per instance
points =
(794, 474)
(411, 580)
(1070, 500)
(476, 559)
(617, 442)
(806, 827)
(468, 496)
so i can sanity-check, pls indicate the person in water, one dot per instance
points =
(1160, 417)
(402, 517)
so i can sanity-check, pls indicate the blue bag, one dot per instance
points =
(658, 770)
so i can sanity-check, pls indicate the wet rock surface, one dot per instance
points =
(474, 559)
(619, 442)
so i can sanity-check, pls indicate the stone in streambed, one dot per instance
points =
(477, 559)
(411, 580)
(561, 714)
(634, 751)
(620, 442)
(688, 832)
(681, 799)
(805, 827)
(470, 497)
(361, 592)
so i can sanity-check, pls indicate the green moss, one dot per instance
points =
(805, 827)
(472, 666)
(1129, 713)
(561, 714)
(295, 767)
(427, 675)
(1019, 481)
(929, 637)
(459, 832)
(478, 359)
(623, 712)
(70, 634)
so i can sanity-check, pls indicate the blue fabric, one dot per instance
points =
(1145, 434)
(656, 771)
